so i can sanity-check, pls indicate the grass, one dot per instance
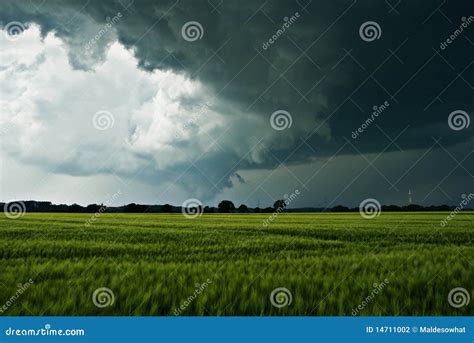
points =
(153, 263)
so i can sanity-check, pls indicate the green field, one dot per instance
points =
(152, 263)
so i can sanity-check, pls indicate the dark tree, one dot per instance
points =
(243, 208)
(279, 204)
(414, 208)
(340, 208)
(167, 208)
(226, 206)
(92, 208)
(135, 208)
(391, 208)
(76, 208)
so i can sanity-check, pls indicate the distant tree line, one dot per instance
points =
(225, 206)
(395, 208)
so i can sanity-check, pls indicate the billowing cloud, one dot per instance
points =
(197, 113)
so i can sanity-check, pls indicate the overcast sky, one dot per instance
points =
(241, 100)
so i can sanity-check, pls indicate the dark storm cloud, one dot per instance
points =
(226, 58)
(319, 70)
